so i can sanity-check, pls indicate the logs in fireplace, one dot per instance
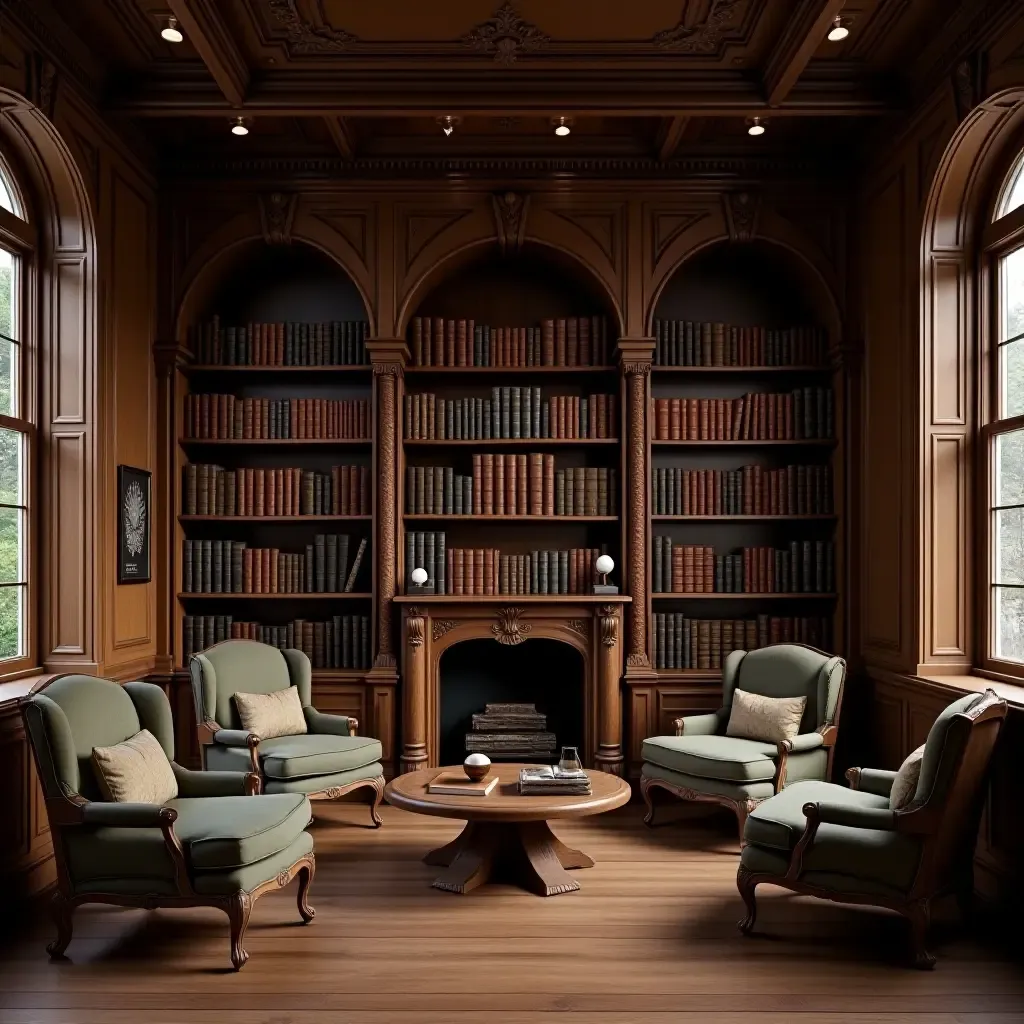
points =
(511, 732)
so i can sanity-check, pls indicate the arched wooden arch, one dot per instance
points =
(65, 331)
(953, 327)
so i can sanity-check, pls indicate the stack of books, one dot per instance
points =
(553, 781)
(510, 732)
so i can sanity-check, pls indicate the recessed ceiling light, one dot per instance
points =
(838, 32)
(562, 126)
(171, 32)
(756, 127)
(239, 127)
(448, 123)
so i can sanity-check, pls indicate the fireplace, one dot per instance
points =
(586, 631)
(544, 673)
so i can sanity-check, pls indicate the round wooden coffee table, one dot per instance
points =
(506, 838)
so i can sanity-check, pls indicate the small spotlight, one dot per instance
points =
(171, 32)
(562, 127)
(448, 123)
(838, 32)
(756, 127)
(239, 127)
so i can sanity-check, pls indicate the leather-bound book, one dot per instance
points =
(548, 342)
(536, 476)
(438, 338)
(460, 571)
(560, 342)
(572, 345)
(511, 488)
(417, 341)
(522, 484)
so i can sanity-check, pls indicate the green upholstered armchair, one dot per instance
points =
(701, 763)
(215, 845)
(847, 845)
(328, 761)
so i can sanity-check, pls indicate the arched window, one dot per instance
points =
(1003, 636)
(17, 429)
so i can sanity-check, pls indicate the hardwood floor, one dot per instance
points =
(651, 936)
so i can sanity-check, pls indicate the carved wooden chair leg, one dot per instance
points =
(376, 795)
(239, 908)
(62, 911)
(646, 788)
(919, 915)
(747, 884)
(306, 873)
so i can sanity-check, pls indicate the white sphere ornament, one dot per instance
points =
(604, 564)
(419, 576)
(477, 766)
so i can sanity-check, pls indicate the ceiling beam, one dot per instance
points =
(342, 136)
(203, 24)
(670, 136)
(800, 37)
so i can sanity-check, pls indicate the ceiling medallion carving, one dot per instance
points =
(505, 35)
(305, 37)
(705, 36)
(442, 626)
(508, 629)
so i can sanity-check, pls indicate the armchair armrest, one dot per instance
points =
(333, 725)
(240, 738)
(127, 815)
(804, 742)
(700, 725)
(871, 780)
(852, 817)
(211, 784)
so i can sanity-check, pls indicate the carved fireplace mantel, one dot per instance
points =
(593, 625)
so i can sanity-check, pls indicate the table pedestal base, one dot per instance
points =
(525, 853)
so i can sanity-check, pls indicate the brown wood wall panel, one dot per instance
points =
(949, 333)
(68, 576)
(947, 623)
(69, 371)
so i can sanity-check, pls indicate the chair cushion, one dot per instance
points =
(904, 786)
(769, 719)
(713, 757)
(271, 714)
(230, 831)
(297, 757)
(248, 876)
(880, 857)
(135, 771)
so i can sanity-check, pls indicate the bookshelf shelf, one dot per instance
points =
(275, 442)
(744, 519)
(745, 370)
(273, 519)
(479, 518)
(458, 371)
(361, 369)
(515, 442)
(514, 599)
(810, 442)
(759, 596)
(689, 675)
(193, 596)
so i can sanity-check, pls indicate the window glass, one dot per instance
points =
(7, 197)
(1013, 191)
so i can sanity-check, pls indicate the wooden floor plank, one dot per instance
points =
(651, 936)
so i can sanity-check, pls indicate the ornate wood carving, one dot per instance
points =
(609, 625)
(581, 626)
(305, 38)
(414, 630)
(508, 629)
(277, 214)
(705, 36)
(441, 626)
(510, 210)
(741, 210)
(505, 35)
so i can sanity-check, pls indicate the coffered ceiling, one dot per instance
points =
(369, 78)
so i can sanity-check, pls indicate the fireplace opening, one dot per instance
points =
(545, 673)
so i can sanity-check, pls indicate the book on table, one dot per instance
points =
(456, 784)
(553, 781)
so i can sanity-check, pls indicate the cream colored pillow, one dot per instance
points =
(770, 719)
(905, 784)
(271, 714)
(135, 771)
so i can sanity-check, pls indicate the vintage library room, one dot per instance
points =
(511, 510)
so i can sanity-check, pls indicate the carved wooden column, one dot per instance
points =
(608, 757)
(389, 356)
(635, 355)
(414, 692)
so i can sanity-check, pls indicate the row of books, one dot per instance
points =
(804, 567)
(693, 343)
(565, 341)
(683, 643)
(800, 414)
(510, 412)
(212, 490)
(341, 642)
(487, 572)
(232, 567)
(329, 343)
(511, 485)
(227, 416)
(748, 491)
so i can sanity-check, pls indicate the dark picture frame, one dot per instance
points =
(134, 524)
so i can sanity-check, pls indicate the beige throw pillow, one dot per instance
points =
(271, 714)
(770, 719)
(135, 771)
(905, 784)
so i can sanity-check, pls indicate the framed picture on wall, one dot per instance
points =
(133, 524)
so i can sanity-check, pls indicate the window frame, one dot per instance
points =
(1002, 237)
(18, 235)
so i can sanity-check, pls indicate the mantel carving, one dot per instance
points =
(442, 626)
(508, 629)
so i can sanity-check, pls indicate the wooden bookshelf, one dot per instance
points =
(746, 371)
(220, 368)
(805, 518)
(515, 442)
(753, 596)
(809, 442)
(275, 442)
(337, 596)
(511, 371)
(494, 518)
(274, 519)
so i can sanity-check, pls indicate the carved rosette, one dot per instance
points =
(303, 37)
(581, 626)
(440, 627)
(508, 629)
(386, 375)
(283, 878)
(505, 35)
(637, 373)
(703, 37)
